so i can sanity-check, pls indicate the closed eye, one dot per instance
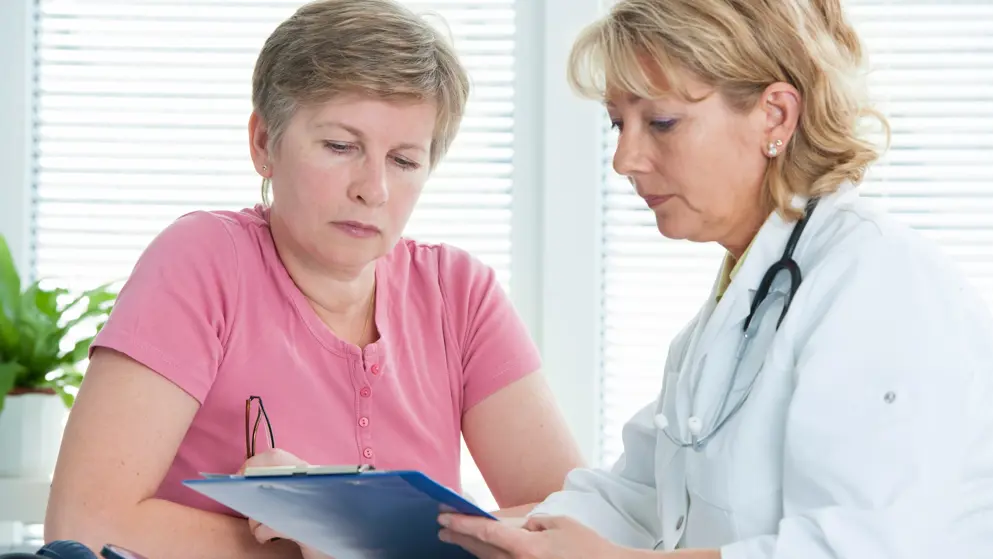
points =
(663, 125)
(338, 147)
(406, 164)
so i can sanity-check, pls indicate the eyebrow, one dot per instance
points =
(359, 134)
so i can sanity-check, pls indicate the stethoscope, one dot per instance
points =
(698, 439)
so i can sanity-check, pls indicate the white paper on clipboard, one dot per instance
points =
(267, 471)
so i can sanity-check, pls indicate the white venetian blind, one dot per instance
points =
(932, 75)
(652, 287)
(141, 116)
(933, 78)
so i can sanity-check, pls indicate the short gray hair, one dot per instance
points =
(374, 47)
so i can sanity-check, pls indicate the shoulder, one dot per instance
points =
(203, 237)
(440, 257)
(864, 243)
(424, 265)
(876, 278)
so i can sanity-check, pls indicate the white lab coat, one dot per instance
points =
(868, 433)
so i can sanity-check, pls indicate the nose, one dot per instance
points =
(631, 154)
(371, 186)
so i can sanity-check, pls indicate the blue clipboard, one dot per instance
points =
(375, 514)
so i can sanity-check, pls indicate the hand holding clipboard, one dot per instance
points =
(347, 512)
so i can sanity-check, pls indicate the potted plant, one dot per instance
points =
(40, 352)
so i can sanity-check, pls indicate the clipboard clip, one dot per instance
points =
(286, 471)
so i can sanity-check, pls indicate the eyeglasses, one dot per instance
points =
(254, 414)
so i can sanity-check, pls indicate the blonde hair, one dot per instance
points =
(740, 47)
(370, 47)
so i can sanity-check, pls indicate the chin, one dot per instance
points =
(350, 257)
(672, 228)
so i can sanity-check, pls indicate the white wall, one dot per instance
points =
(15, 126)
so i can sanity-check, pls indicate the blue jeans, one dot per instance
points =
(64, 549)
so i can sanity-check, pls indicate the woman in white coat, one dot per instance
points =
(861, 426)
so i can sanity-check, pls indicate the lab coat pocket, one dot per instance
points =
(742, 467)
(737, 499)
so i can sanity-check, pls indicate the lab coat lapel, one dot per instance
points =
(712, 361)
(684, 386)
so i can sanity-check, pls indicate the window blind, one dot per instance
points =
(141, 116)
(932, 75)
(141, 111)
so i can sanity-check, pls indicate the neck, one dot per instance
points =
(738, 239)
(344, 299)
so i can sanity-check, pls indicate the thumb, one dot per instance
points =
(263, 533)
(542, 522)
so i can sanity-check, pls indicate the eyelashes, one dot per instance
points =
(338, 147)
(660, 125)
(341, 148)
(663, 125)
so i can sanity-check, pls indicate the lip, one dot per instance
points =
(356, 229)
(655, 201)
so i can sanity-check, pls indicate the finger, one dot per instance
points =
(488, 531)
(514, 522)
(263, 533)
(472, 545)
(273, 457)
(542, 522)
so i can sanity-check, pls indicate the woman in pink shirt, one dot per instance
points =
(364, 347)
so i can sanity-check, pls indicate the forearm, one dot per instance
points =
(681, 554)
(165, 530)
(691, 554)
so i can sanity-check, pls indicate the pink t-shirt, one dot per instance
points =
(210, 307)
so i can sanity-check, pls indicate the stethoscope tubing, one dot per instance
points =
(785, 264)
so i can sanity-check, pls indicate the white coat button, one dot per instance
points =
(695, 426)
(679, 523)
(889, 397)
(661, 421)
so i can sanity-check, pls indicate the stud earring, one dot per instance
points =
(774, 148)
(265, 168)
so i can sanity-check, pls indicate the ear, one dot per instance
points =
(258, 140)
(780, 106)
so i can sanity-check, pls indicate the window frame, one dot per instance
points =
(555, 277)
(572, 228)
(17, 29)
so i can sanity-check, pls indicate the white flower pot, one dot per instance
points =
(31, 428)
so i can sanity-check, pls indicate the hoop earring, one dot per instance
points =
(773, 150)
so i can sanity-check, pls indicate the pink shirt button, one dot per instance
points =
(375, 369)
(365, 392)
(367, 453)
(364, 422)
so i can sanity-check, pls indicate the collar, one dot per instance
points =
(729, 269)
(768, 245)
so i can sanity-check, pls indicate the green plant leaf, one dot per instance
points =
(47, 300)
(85, 315)
(40, 340)
(34, 326)
(79, 352)
(9, 338)
(10, 281)
(105, 288)
(99, 298)
(67, 398)
(9, 372)
(71, 377)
